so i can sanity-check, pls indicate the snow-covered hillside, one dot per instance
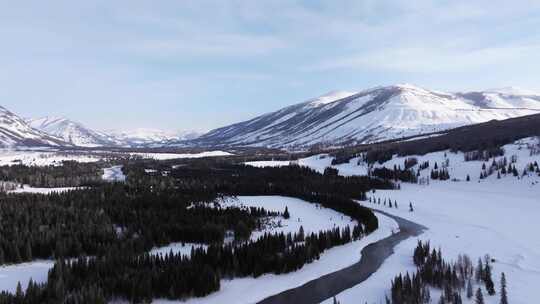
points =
(14, 131)
(495, 215)
(71, 131)
(372, 115)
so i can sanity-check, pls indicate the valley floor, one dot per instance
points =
(496, 217)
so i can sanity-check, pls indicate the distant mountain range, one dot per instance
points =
(62, 132)
(334, 119)
(77, 134)
(372, 115)
(71, 132)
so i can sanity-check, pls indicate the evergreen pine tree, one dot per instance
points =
(479, 299)
(469, 289)
(19, 294)
(490, 286)
(504, 296)
(479, 275)
(301, 236)
(286, 214)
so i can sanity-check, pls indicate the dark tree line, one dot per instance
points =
(118, 223)
(395, 174)
(69, 174)
(87, 222)
(124, 273)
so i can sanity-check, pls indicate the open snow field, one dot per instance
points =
(113, 174)
(318, 163)
(55, 158)
(313, 218)
(166, 156)
(29, 189)
(37, 158)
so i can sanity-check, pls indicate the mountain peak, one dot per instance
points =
(511, 90)
(329, 98)
(15, 131)
(376, 114)
(408, 86)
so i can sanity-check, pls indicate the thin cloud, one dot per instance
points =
(432, 59)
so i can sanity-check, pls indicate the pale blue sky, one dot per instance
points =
(203, 64)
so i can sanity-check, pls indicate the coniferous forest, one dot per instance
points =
(453, 280)
(100, 235)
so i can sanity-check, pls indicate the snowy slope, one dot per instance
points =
(495, 216)
(149, 137)
(14, 131)
(71, 131)
(372, 115)
(491, 216)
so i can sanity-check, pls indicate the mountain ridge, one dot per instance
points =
(79, 135)
(15, 131)
(371, 115)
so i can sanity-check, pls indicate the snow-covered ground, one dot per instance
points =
(318, 163)
(39, 158)
(29, 189)
(492, 216)
(113, 174)
(166, 156)
(457, 167)
(312, 218)
(32, 157)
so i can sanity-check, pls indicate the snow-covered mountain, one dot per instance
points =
(149, 137)
(14, 131)
(79, 135)
(373, 115)
(71, 131)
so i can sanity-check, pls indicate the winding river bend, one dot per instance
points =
(329, 285)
